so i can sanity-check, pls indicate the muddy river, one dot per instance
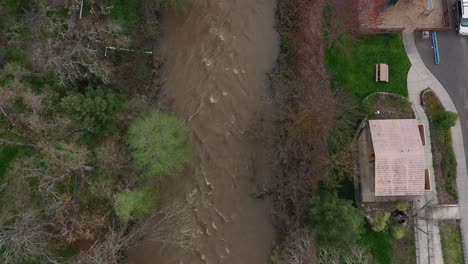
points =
(217, 54)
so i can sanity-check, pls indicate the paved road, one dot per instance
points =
(452, 72)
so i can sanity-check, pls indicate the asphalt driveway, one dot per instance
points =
(452, 72)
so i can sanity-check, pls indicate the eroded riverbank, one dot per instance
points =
(217, 54)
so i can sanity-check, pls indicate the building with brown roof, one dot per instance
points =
(392, 160)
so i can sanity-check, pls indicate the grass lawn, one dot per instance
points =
(451, 240)
(380, 245)
(404, 250)
(353, 68)
(387, 250)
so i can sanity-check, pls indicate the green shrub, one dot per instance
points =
(402, 205)
(449, 170)
(380, 220)
(126, 10)
(398, 232)
(444, 120)
(7, 155)
(15, 55)
(135, 204)
(335, 221)
(159, 144)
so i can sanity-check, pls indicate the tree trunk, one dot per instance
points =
(15, 143)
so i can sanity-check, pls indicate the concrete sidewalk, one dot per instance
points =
(444, 212)
(420, 78)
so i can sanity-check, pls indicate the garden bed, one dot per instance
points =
(445, 163)
(387, 106)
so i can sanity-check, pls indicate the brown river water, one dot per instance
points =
(217, 54)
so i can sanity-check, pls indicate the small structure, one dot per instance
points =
(381, 72)
(381, 16)
(392, 160)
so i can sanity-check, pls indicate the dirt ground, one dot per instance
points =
(377, 15)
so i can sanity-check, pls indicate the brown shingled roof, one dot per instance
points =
(399, 157)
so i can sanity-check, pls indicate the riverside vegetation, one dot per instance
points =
(319, 110)
(79, 173)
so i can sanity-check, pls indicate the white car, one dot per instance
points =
(460, 9)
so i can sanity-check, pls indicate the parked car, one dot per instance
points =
(460, 9)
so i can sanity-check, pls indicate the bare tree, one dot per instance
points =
(353, 255)
(72, 53)
(53, 164)
(71, 224)
(24, 121)
(108, 251)
(299, 248)
(74, 58)
(171, 226)
(113, 156)
(341, 22)
(23, 237)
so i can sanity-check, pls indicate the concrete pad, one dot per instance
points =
(444, 212)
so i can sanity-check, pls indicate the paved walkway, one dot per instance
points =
(427, 235)
(444, 212)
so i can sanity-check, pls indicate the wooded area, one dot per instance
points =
(74, 186)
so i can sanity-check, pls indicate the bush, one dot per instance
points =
(449, 170)
(159, 144)
(444, 120)
(398, 232)
(380, 220)
(132, 205)
(125, 10)
(7, 155)
(15, 56)
(335, 221)
(402, 206)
